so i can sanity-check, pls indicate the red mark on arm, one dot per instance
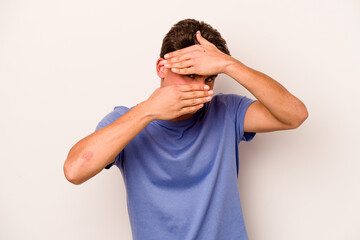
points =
(87, 155)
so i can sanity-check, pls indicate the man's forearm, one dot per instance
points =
(92, 153)
(279, 101)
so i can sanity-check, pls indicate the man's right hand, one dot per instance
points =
(173, 101)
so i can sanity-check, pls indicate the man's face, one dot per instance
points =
(168, 77)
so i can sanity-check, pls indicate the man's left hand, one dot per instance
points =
(201, 59)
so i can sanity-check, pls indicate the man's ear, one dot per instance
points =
(160, 69)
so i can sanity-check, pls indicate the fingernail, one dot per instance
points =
(206, 87)
(163, 61)
(166, 56)
(210, 92)
(208, 98)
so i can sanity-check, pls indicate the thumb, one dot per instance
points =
(202, 40)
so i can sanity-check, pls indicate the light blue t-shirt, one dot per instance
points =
(181, 177)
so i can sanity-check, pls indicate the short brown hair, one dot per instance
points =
(183, 34)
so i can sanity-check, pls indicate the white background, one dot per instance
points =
(65, 64)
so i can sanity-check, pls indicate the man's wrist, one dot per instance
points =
(145, 110)
(232, 66)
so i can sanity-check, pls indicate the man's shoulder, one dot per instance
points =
(226, 99)
(121, 109)
(117, 112)
(231, 103)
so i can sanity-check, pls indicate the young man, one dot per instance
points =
(178, 150)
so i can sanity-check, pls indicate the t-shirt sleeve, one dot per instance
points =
(240, 104)
(108, 119)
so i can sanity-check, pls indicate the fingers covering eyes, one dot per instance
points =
(182, 64)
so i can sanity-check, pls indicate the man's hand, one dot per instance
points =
(201, 59)
(170, 102)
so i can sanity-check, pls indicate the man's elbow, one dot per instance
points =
(71, 175)
(301, 116)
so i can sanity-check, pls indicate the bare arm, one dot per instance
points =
(93, 153)
(276, 108)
